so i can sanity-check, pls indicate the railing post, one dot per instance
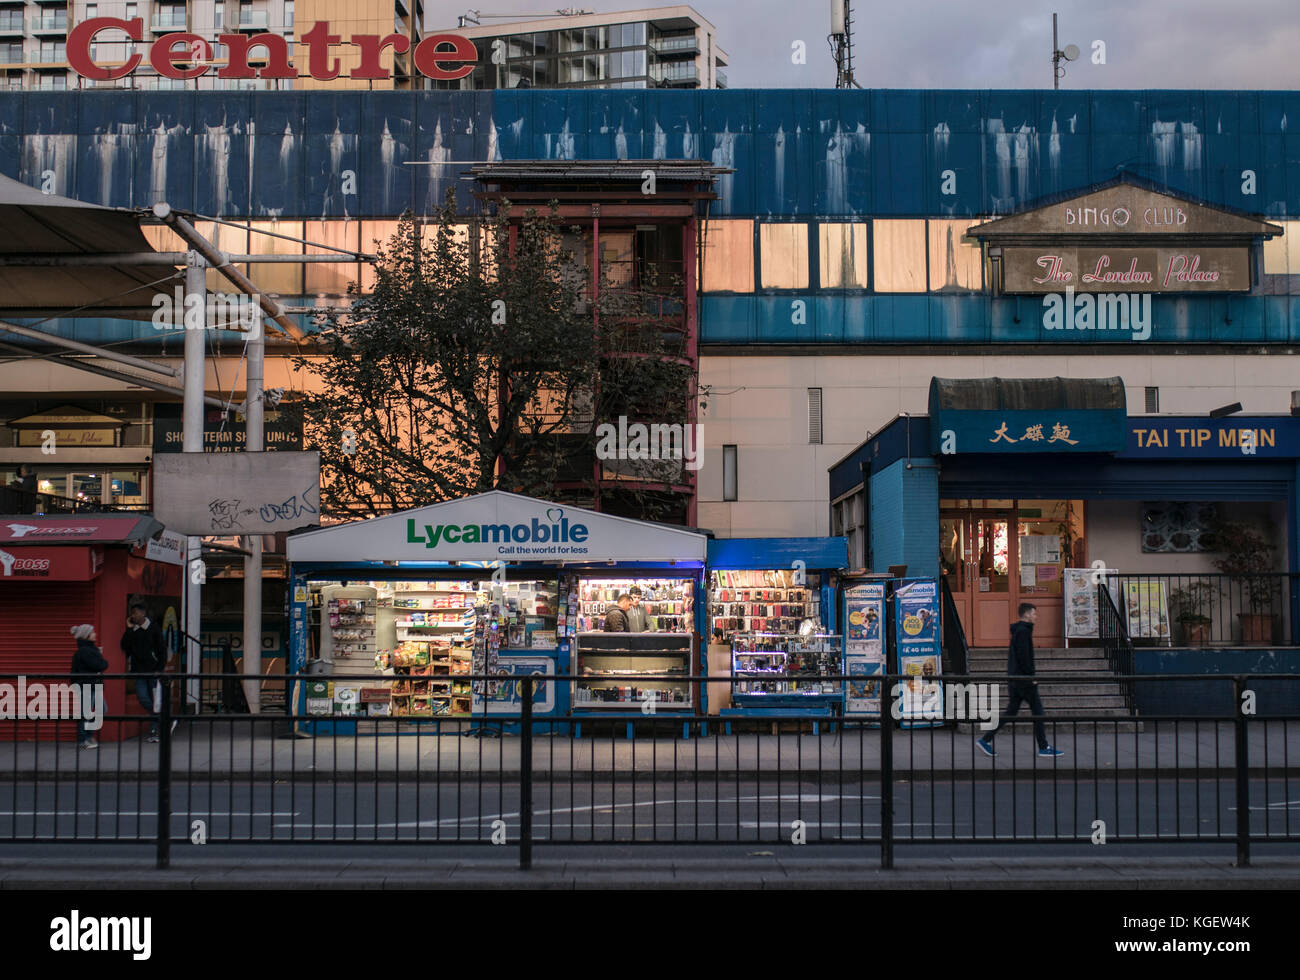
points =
(526, 775)
(164, 775)
(1243, 773)
(887, 777)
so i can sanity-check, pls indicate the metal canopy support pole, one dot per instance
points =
(192, 442)
(253, 417)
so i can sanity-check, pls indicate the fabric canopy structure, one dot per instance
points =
(37, 224)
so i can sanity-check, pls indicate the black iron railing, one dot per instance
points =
(521, 777)
(1208, 608)
(955, 649)
(1115, 641)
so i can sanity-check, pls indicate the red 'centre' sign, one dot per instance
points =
(432, 56)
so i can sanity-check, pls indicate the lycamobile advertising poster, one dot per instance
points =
(916, 621)
(864, 647)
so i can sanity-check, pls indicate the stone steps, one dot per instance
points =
(1105, 698)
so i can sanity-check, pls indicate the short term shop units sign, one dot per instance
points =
(1125, 239)
(498, 526)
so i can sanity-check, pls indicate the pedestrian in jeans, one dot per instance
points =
(1020, 663)
(87, 664)
(146, 656)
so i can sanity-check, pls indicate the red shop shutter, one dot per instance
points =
(35, 619)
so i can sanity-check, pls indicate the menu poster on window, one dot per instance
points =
(1082, 619)
(916, 616)
(1147, 609)
(864, 647)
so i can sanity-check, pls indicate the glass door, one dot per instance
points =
(956, 558)
(995, 584)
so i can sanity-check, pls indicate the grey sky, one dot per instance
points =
(1213, 44)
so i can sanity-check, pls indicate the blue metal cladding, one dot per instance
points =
(799, 152)
(764, 553)
(813, 154)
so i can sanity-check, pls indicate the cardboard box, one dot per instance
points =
(374, 695)
(379, 709)
(320, 706)
(320, 689)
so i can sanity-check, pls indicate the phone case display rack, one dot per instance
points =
(760, 602)
(762, 663)
(669, 604)
(604, 658)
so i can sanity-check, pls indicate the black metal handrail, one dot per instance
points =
(1116, 643)
(955, 649)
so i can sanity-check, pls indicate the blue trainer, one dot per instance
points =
(1049, 752)
(985, 747)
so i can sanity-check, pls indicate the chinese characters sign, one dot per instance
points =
(1029, 431)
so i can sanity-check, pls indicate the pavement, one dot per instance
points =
(746, 869)
(220, 750)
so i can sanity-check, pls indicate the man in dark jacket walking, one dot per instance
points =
(146, 657)
(87, 664)
(1020, 663)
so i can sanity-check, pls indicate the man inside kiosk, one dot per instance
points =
(616, 615)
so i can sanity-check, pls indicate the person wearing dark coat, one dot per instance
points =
(616, 615)
(1020, 663)
(87, 664)
(146, 657)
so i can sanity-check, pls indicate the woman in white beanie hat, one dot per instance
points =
(87, 664)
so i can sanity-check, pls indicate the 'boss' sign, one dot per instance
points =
(193, 50)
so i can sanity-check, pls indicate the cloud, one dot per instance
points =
(1195, 44)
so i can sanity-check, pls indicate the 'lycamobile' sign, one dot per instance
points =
(182, 55)
(556, 536)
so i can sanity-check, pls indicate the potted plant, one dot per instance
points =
(1192, 604)
(1248, 553)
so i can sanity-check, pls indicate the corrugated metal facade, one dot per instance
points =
(797, 154)
(805, 152)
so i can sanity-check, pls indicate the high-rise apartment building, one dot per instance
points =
(657, 47)
(33, 39)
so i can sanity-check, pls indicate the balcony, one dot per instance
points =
(50, 25)
(168, 21)
(252, 20)
(720, 78)
(684, 74)
(48, 57)
(675, 45)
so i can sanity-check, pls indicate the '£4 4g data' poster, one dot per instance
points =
(864, 647)
(916, 633)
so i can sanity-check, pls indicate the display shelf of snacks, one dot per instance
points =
(760, 602)
(605, 659)
(527, 614)
(763, 663)
(669, 603)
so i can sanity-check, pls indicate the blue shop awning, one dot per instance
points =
(1027, 415)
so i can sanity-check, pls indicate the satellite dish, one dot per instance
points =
(1071, 52)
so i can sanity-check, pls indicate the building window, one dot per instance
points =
(842, 251)
(1153, 401)
(814, 416)
(955, 265)
(729, 475)
(1178, 527)
(288, 13)
(728, 261)
(92, 11)
(1279, 258)
(130, 11)
(899, 252)
(784, 255)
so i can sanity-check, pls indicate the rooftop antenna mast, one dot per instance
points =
(841, 41)
(1070, 53)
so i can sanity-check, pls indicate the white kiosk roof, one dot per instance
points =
(498, 526)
